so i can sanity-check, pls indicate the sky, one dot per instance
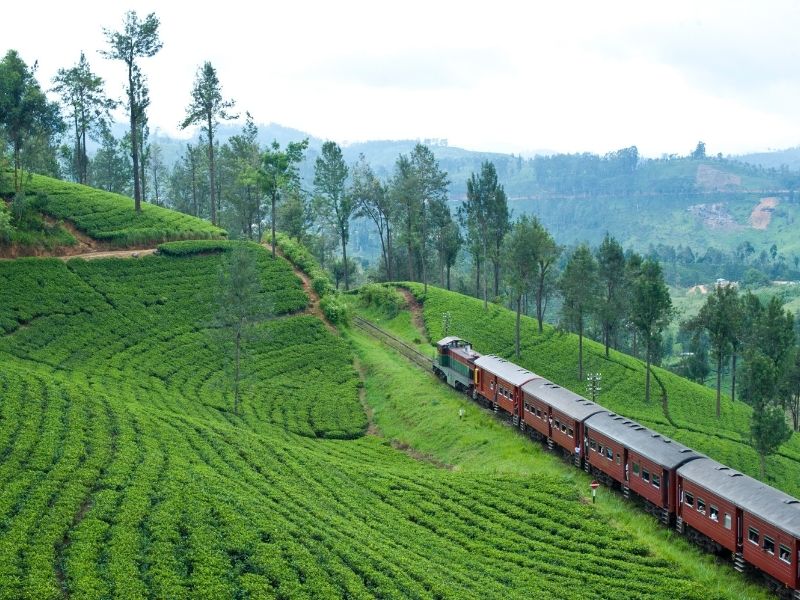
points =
(521, 77)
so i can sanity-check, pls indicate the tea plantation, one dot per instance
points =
(690, 407)
(110, 218)
(124, 472)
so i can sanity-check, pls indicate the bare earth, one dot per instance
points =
(762, 214)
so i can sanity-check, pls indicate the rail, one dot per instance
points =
(387, 338)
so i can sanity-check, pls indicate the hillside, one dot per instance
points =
(59, 217)
(687, 415)
(126, 474)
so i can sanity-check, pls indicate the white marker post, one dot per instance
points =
(594, 485)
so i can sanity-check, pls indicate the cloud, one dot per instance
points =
(413, 69)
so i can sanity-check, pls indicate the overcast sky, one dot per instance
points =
(501, 76)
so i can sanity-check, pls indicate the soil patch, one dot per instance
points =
(711, 179)
(415, 308)
(372, 428)
(314, 308)
(698, 289)
(761, 216)
(714, 216)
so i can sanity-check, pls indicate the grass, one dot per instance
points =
(111, 218)
(414, 409)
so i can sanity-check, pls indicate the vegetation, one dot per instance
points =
(110, 218)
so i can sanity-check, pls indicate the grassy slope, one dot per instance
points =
(425, 418)
(554, 356)
(124, 473)
(111, 218)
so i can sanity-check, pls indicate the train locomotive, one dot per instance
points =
(721, 509)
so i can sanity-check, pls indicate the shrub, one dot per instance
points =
(335, 309)
(381, 296)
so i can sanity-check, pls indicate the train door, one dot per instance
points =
(626, 466)
(739, 528)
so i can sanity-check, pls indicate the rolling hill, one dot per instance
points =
(124, 472)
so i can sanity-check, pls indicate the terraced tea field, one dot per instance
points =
(124, 472)
(110, 218)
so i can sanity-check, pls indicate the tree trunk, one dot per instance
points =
(647, 376)
(383, 252)
(580, 349)
(519, 311)
(606, 336)
(344, 256)
(137, 192)
(212, 173)
(448, 277)
(733, 378)
(719, 381)
(273, 199)
(389, 270)
(17, 166)
(236, 374)
(477, 278)
(762, 463)
(539, 294)
(497, 277)
(485, 279)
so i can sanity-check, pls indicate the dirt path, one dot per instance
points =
(314, 309)
(416, 312)
(129, 253)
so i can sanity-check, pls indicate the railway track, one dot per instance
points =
(387, 338)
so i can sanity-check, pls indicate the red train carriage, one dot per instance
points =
(558, 414)
(499, 382)
(456, 362)
(639, 459)
(757, 523)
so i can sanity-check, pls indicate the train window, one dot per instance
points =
(645, 474)
(600, 448)
(769, 545)
(636, 469)
(592, 444)
(619, 459)
(563, 428)
(609, 453)
(558, 424)
(491, 385)
(752, 535)
(785, 554)
(570, 432)
(656, 481)
(688, 499)
(701, 506)
(727, 521)
(713, 513)
(527, 407)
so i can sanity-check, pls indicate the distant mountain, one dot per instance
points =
(699, 203)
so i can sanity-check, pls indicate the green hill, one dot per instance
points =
(687, 415)
(125, 474)
(107, 218)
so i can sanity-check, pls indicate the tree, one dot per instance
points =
(482, 191)
(111, 166)
(768, 431)
(611, 301)
(520, 265)
(790, 388)
(294, 214)
(579, 285)
(699, 151)
(336, 205)
(431, 187)
(718, 317)
(408, 209)
(278, 173)
(87, 107)
(651, 309)
(240, 305)
(546, 252)
(498, 223)
(448, 240)
(136, 39)
(206, 109)
(374, 201)
(157, 173)
(25, 112)
(242, 156)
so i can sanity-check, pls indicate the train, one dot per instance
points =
(721, 509)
